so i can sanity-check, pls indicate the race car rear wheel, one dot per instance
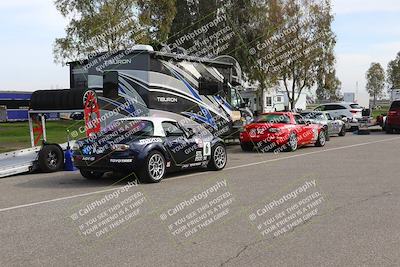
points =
(218, 158)
(321, 141)
(248, 147)
(91, 175)
(342, 131)
(154, 169)
(292, 143)
(51, 158)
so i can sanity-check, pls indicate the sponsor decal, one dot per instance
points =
(121, 160)
(191, 165)
(167, 99)
(150, 140)
(88, 158)
(118, 61)
(199, 156)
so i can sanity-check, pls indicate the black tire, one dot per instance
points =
(247, 147)
(388, 129)
(327, 136)
(157, 160)
(292, 146)
(321, 141)
(91, 175)
(218, 158)
(51, 158)
(343, 131)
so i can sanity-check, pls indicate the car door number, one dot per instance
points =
(207, 149)
(315, 131)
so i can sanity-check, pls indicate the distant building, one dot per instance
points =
(274, 99)
(395, 94)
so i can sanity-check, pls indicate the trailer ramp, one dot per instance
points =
(17, 162)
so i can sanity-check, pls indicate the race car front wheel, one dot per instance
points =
(218, 158)
(154, 169)
(292, 143)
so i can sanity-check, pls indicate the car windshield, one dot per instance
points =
(313, 116)
(134, 127)
(273, 118)
(356, 106)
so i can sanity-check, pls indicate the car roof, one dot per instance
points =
(313, 112)
(157, 123)
(338, 103)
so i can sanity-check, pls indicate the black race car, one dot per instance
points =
(149, 147)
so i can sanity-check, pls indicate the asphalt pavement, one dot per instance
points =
(331, 206)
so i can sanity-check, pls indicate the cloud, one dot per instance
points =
(365, 6)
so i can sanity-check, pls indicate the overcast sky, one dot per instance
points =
(368, 31)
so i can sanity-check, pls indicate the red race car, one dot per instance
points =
(281, 131)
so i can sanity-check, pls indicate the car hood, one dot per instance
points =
(267, 126)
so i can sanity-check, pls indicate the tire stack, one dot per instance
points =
(68, 99)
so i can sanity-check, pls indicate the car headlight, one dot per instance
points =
(120, 147)
(274, 130)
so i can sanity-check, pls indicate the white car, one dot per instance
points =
(350, 111)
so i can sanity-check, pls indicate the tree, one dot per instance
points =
(393, 73)
(309, 41)
(183, 21)
(330, 87)
(375, 81)
(255, 22)
(157, 16)
(301, 30)
(110, 25)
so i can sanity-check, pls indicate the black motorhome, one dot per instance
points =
(169, 85)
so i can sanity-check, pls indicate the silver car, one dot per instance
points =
(351, 112)
(331, 125)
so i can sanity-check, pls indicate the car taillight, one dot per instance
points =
(354, 111)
